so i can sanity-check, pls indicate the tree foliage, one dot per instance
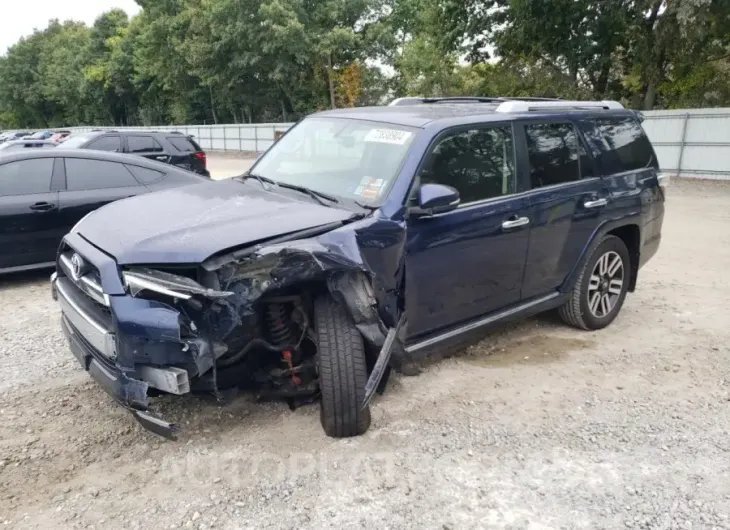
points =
(215, 61)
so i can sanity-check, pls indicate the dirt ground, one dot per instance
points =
(538, 426)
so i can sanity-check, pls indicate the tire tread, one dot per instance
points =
(342, 371)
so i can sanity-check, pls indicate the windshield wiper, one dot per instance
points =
(366, 206)
(263, 180)
(316, 195)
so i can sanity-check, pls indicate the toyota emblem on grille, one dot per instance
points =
(77, 266)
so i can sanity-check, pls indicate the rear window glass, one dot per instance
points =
(184, 144)
(145, 175)
(85, 174)
(143, 144)
(625, 146)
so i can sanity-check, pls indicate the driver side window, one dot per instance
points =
(479, 163)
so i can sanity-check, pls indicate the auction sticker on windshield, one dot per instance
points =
(369, 188)
(388, 136)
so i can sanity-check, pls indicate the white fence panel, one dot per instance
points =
(691, 143)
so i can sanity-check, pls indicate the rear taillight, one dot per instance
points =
(201, 156)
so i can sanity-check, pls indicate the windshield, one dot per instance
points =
(76, 140)
(354, 159)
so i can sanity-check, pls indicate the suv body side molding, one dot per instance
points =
(516, 311)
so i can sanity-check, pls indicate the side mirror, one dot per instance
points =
(435, 199)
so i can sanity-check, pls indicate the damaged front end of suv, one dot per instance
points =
(287, 281)
(249, 319)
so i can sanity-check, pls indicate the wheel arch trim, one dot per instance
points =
(597, 236)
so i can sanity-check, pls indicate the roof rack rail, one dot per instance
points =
(529, 105)
(518, 98)
(464, 99)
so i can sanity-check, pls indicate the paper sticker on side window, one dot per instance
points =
(388, 136)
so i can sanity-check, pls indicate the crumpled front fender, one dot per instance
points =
(362, 265)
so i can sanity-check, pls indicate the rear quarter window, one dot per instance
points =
(145, 175)
(625, 145)
(184, 144)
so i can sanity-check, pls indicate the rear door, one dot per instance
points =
(567, 199)
(148, 147)
(29, 232)
(91, 184)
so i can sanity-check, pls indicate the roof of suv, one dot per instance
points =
(421, 114)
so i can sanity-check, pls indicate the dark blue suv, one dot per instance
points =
(361, 241)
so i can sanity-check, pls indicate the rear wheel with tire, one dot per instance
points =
(601, 288)
(342, 369)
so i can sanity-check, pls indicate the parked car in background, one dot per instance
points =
(363, 238)
(45, 192)
(169, 147)
(12, 135)
(25, 143)
(41, 135)
(60, 136)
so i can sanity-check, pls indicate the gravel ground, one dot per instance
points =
(538, 426)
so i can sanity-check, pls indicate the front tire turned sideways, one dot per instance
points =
(599, 293)
(342, 369)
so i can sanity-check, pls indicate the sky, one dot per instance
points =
(20, 17)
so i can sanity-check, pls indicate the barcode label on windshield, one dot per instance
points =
(388, 136)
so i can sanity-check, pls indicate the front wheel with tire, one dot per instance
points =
(342, 369)
(601, 288)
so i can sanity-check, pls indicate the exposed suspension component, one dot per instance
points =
(276, 322)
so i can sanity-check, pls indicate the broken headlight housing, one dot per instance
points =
(142, 279)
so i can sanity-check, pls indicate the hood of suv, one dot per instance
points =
(190, 224)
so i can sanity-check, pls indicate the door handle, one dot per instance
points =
(515, 223)
(43, 207)
(598, 203)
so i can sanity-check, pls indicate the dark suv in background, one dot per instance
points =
(169, 147)
(365, 238)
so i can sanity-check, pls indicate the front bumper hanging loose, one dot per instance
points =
(93, 350)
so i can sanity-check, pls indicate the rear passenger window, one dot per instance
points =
(557, 155)
(479, 163)
(145, 175)
(107, 143)
(84, 174)
(26, 177)
(625, 146)
(143, 144)
(184, 144)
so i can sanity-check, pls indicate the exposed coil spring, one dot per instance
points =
(275, 319)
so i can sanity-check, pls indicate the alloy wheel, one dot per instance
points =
(605, 284)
